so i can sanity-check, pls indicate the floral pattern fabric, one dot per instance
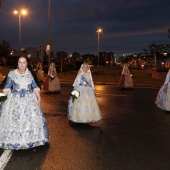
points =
(22, 122)
(163, 97)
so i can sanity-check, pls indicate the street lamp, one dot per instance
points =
(164, 54)
(20, 13)
(49, 30)
(99, 31)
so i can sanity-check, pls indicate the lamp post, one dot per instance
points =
(20, 13)
(49, 31)
(164, 54)
(99, 31)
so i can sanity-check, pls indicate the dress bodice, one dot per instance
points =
(17, 81)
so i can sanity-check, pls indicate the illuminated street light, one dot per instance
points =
(49, 30)
(20, 13)
(99, 31)
(164, 54)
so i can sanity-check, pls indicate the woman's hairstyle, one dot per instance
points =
(23, 57)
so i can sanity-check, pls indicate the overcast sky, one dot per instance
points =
(128, 26)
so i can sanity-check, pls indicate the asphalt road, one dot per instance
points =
(133, 135)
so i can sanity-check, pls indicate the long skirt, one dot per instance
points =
(52, 85)
(85, 108)
(163, 98)
(22, 122)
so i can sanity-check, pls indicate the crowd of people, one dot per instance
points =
(22, 121)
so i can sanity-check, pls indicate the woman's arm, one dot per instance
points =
(7, 85)
(37, 92)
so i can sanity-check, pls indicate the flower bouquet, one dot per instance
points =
(3, 97)
(52, 77)
(75, 94)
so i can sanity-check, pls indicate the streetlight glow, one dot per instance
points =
(24, 12)
(15, 12)
(21, 12)
(99, 31)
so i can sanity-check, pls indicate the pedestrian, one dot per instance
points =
(22, 121)
(30, 68)
(83, 106)
(40, 72)
(125, 80)
(52, 83)
(163, 97)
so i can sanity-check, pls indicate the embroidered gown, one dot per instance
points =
(40, 73)
(85, 108)
(125, 80)
(22, 122)
(163, 97)
(52, 83)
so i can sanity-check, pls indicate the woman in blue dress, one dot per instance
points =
(22, 122)
(163, 97)
(85, 108)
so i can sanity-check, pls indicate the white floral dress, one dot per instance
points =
(22, 122)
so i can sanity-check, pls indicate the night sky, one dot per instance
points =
(129, 26)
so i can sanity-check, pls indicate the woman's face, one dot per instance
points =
(85, 68)
(22, 64)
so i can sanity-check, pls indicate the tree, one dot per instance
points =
(155, 50)
(5, 48)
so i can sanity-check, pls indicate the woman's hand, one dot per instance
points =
(86, 82)
(39, 103)
(37, 92)
(5, 92)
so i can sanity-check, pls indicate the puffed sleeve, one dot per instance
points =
(8, 84)
(34, 85)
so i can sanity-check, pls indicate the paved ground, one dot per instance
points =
(133, 135)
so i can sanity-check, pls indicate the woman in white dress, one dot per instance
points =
(125, 80)
(52, 83)
(163, 97)
(85, 108)
(22, 121)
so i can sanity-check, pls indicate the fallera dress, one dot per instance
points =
(40, 72)
(22, 122)
(125, 80)
(163, 97)
(85, 108)
(52, 83)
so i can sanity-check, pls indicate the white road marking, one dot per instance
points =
(5, 157)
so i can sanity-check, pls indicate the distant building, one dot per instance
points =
(106, 58)
(89, 58)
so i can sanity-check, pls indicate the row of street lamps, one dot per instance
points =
(24, 12)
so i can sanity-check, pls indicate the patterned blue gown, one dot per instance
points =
(22, 122)
(163, 97)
